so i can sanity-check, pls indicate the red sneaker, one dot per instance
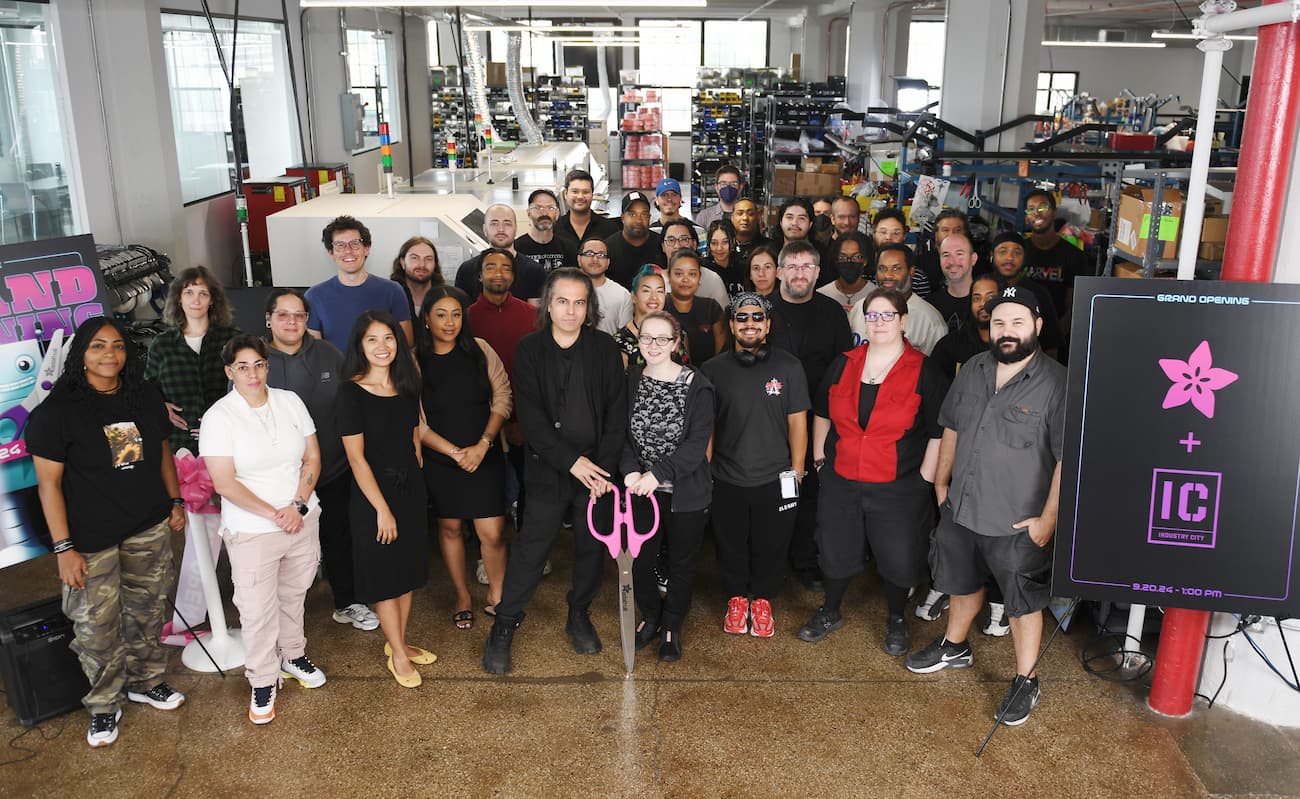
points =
(762, 625)
(737, 620)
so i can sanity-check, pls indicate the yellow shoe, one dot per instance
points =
(423, 659)
(411, 680)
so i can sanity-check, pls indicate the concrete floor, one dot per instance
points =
(737, 717)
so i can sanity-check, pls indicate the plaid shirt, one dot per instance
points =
(191, 381)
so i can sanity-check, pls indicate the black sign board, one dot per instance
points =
(1181, 479)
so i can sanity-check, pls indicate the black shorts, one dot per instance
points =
(961, 560)
(893, 518)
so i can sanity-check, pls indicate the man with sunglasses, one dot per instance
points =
(615, 302)
(540, 242)
(336, 303)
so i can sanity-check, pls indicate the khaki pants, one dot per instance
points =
(271, 573)
(118, 617)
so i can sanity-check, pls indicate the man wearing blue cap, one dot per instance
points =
(668, 207)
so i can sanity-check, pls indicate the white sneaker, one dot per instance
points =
(162, 696)
(358, 615)
(998, 625)
(261, 707)
(934, 604)
(103, 729)
(547, 568)
(304, 671)
(480, 573)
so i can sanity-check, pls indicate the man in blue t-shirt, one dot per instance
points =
(336, 303)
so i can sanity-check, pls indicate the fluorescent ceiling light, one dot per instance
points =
(1059, 43)
(553, 28)
(610, 41)
(492, 3)
(1168, 35)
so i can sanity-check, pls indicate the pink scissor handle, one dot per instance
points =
(636, 539)
(612, 540)
(623, 520)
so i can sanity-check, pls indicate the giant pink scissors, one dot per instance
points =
(623, 552)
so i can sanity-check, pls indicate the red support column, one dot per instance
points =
(1263, 173)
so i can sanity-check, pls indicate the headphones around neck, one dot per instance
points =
(746, 358)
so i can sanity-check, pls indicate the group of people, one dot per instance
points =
(807, 407)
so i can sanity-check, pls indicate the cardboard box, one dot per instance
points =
(783, 179)
(816, 184)
(1214, 230)
(1210, 251)
(496, 73)
(828, 166)
(1134, 221)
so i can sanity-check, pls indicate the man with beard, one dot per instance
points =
(635, 245)
(540, 242)
(812, 327)
(971, 338)
(580, 222)
(668, 205)
(1009, 265)
(998, 484)
(744, 219)
(794, 222)
(730, 184)
(1049, 258)
(499, 228)
(894, 270)
(845, 216)
(957, 258)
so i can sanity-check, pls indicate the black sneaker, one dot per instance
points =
(162, 696)
(896, 638)
(670, 650)
(812, 580)
(581, 632)
(646, 632)
(1022, 697)
(940, 654)
(103, 729)
(822, 624)
(496, 655)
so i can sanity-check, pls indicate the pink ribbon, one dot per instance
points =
(196, 484)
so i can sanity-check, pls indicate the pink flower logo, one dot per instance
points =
(1195, 380)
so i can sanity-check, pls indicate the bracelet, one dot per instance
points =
(178, 502)
(486, 440)
(63, 545)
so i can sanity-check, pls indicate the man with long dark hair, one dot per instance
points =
(572, 402)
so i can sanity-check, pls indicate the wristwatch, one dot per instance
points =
(301, 506)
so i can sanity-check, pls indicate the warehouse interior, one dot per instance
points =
(118, 124)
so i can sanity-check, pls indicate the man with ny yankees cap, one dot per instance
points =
(997, 484)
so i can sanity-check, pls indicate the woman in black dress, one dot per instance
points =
(379, 419)
(466, 400)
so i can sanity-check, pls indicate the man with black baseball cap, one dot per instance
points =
(998, 482)
(1008, 255)
(635, 245)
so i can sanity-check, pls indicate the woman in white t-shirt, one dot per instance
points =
(260, 447)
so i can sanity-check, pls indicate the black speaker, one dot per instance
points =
(42, 675)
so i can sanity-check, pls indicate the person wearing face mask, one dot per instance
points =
(540, 242)
(895, 269)
(416, 269)
(847, 257)
(730, 185)
(823, 229)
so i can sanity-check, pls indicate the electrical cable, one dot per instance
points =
(28, 754)
(1222, 682)
(293, 82)
(1259, 651)
(1120, 652)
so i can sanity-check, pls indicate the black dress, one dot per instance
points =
(457, 403)
(385, 571)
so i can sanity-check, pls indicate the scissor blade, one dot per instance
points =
(626, 610)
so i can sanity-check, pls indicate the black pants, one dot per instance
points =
(682, 533)
(336, 537)
(803, 542)
(753, 527)
(533, 545)
(515, 457)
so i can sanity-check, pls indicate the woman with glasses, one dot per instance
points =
(615, 301)
(876, 438)
(762, 271)
(260, 447)
(649, 294)
(185, 361)
(670, 421)
(846, 260)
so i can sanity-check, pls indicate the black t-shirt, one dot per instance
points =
(954, 310)
(931, 385)
(751, 429)
(1056, 269)
(733, 275)
(529, 277)
(1050, 338)
(697, 324)
(814, 332)
(957, 348)
(554, 254)
(111, 451)
(625, 258)
(600, 226)
(740, 254)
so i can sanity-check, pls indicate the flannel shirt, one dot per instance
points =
(191, 381)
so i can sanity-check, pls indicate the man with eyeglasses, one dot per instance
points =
(336, 303)
(1050, 259)
(615, 301)
(635, 245)
(499, 228)
(729, 184)
(894, 270)
(313, 369)
(540, 242)
(812, 327)
(580, 221)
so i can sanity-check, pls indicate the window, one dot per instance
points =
(669, 55)
(200, 101)
(924, 60)
(1054, 88)
(435, 58)
(372, 72)
(35, 189)
(534, 51)
(732, 43)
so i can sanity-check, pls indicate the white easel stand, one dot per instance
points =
(223, 645)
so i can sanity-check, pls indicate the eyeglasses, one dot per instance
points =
(732, 183)
(289, 316)
(743, 316)
(884, 316)
(354, 245)
(659, 341)
(684, 240)
(800, 267)
(593, 254)
(244, 368)
(544, 208)
(1038, 209)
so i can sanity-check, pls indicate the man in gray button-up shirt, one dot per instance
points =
(998, 483)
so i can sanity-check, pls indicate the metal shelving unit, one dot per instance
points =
(793, 117)
(643, 143)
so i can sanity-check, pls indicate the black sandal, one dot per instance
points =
(463, 619)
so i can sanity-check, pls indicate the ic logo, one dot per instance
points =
(1184, 508)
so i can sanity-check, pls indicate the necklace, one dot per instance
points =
(879, 376)
(265, 417)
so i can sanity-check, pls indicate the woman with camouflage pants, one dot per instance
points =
(108, 487)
